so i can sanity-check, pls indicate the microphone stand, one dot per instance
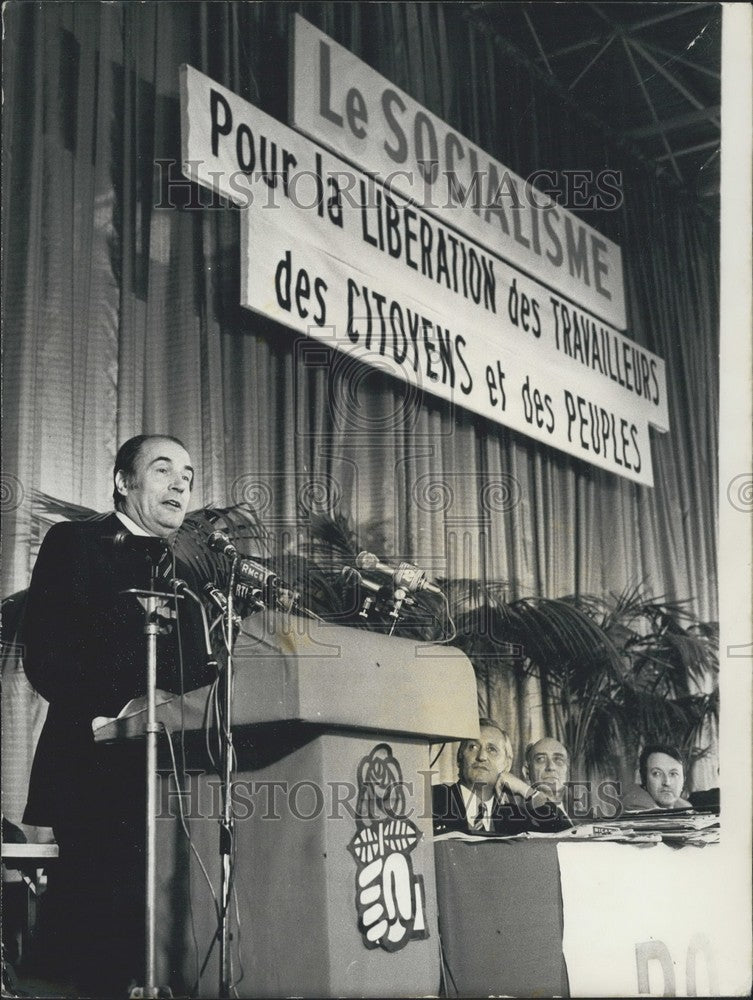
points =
(151, 630)
(227, 822)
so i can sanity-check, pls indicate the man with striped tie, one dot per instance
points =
(85, 653)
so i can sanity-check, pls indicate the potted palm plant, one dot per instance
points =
(615, 671)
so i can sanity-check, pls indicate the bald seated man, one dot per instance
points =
(547, 767)
(488, 799)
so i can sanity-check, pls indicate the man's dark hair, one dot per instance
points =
(667, 748)
(125, 460)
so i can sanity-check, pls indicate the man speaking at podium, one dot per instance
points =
(85, 652)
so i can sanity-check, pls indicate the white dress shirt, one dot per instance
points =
(131, 525)
(472, 802)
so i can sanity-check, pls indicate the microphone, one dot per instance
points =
(247, 571)
(220, 600)
(407, 576)
(368, 561)
(253, 580)
(257, 575)
(287, 600)
(216, 596)
(218, 541)
(256, 583)
(152, 546)
(263, 586)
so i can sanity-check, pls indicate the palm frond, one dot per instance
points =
(559, 640)
(332, 531)
(466, 594)
(239, 522)
(11, 614)
(56, 508)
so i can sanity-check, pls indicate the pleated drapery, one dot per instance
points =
(121, 316)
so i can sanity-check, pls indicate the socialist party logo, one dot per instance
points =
(389, 897)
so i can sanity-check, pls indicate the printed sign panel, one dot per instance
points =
(645, 922)
(344, 104)
(337, 303)
(330, 252)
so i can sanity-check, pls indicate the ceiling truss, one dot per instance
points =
(653, 78)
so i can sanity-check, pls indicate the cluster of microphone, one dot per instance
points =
(399, 582)
(405, 576)
(256, 586)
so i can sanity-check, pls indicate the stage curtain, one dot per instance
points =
(121, 315)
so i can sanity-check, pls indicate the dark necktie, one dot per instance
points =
(478, 823)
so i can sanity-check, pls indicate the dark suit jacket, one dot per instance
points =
(85, 652)
(510, 815)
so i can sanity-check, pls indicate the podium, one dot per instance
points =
(334, 891)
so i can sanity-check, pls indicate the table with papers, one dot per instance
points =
(520, 916)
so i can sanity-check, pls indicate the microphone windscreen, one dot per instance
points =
(218, 541)
(366, 560)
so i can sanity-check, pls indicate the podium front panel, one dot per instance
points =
(334, 870)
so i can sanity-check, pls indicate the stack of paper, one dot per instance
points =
(672, 826)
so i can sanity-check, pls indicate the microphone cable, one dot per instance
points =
(450, 622)
(180, 777)
(438, 753)
(183, 762)
(221, 912)
(194, 851)
(445, 971)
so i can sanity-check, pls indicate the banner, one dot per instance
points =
(330, 252)
(337, 303)
(645, 921)
(342, 103)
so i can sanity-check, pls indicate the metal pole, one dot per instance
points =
(226, 823)
(151, 629)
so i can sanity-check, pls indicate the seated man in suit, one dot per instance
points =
(487, 798)
(547, 767)
(662, 772)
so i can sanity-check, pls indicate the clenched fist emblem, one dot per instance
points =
(389, 897)
(387, 907)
